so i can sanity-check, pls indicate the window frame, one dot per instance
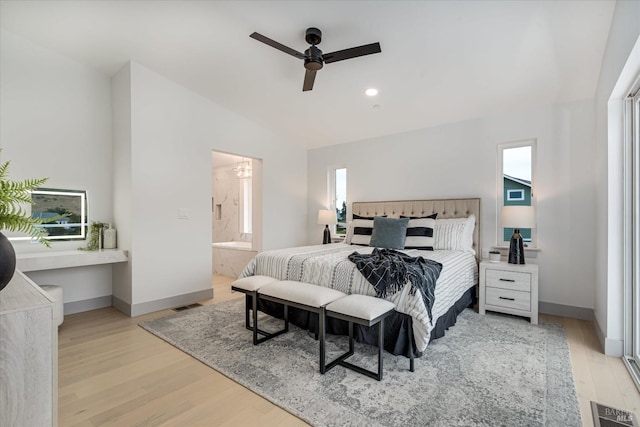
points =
(515, 199)
(500, 188)
(331, 195)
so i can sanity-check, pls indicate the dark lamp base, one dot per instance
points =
(326, 238)
(516, 248)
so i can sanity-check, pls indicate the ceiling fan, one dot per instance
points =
(313, 57)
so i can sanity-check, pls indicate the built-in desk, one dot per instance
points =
(85, 276)
(28, 355)
(51, 260)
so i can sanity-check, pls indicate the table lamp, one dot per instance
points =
(517, 217)
(326, 217)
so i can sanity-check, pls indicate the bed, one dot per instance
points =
(456, 243)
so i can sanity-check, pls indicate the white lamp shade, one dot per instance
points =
(327, 216)
(518, 217)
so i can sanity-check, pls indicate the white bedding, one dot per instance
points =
(328, 265)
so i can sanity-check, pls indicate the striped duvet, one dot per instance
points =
(327, 265)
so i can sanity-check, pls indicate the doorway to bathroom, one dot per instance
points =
(236, 206)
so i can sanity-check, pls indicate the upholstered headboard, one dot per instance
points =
(445, 208)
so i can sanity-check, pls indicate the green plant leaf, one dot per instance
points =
(14, 195)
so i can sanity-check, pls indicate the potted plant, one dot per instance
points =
(14, 217)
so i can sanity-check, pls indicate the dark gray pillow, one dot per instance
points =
(389, 233)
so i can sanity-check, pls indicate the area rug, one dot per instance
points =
(490, 370)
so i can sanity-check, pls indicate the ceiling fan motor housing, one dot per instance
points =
(313, 59)
(313, 36)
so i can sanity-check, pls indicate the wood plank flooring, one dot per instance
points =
(114, 373)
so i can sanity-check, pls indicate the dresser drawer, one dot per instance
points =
(516, 300)
(508, 280)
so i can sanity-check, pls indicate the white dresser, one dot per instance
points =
(509, 288)
(28, 355)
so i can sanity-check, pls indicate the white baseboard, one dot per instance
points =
(87, 304)
(612, 347)
(161, 304)
(565, 310)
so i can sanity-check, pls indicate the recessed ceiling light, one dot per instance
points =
(371, 91)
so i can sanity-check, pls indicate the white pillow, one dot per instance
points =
(349, 234)
(454, 234)
(362, 230)
(420, 234)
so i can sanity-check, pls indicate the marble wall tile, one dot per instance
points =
(230, 262)
(226, 215)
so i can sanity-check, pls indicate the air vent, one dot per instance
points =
(187, 307)
(606, 416)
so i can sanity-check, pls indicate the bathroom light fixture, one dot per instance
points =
(243, 169)
(371, 91)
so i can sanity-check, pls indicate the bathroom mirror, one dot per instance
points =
(48, 203)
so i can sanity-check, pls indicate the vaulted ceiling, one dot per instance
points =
(441, 61)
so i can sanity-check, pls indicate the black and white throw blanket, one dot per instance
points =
(389, 271)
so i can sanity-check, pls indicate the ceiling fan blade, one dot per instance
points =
(279, 46)
(309, 78)
(353, 52)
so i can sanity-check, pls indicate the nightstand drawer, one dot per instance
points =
(508, 280)
(516, 300)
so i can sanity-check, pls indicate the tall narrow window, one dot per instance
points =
(631, 235)
(338, 197)
(516, 167)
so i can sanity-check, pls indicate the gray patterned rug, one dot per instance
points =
(492, 370)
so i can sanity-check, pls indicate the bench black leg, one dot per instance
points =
(351, 337)
(349, 353)
(411, 365)
(247, 306)
(380, 347)
(255, 317)
(341, 359)
(322, 332)
(266, 335)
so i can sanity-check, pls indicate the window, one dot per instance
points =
(516, 176)
(631, 236)
(338, 197)
(513, 195)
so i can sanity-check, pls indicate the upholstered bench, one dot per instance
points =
(363, 310)
(302, 295)
(249, 286)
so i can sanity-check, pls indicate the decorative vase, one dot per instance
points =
(7, 261)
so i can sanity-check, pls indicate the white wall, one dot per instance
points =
(122, 191)
(620, 66)
(460, 160)
(173, 132)
(55, 121)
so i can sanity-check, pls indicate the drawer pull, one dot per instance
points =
(507, 280)
(508, 299)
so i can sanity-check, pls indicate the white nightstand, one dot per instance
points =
(509, 288)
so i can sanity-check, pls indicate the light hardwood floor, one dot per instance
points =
(112, 372)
